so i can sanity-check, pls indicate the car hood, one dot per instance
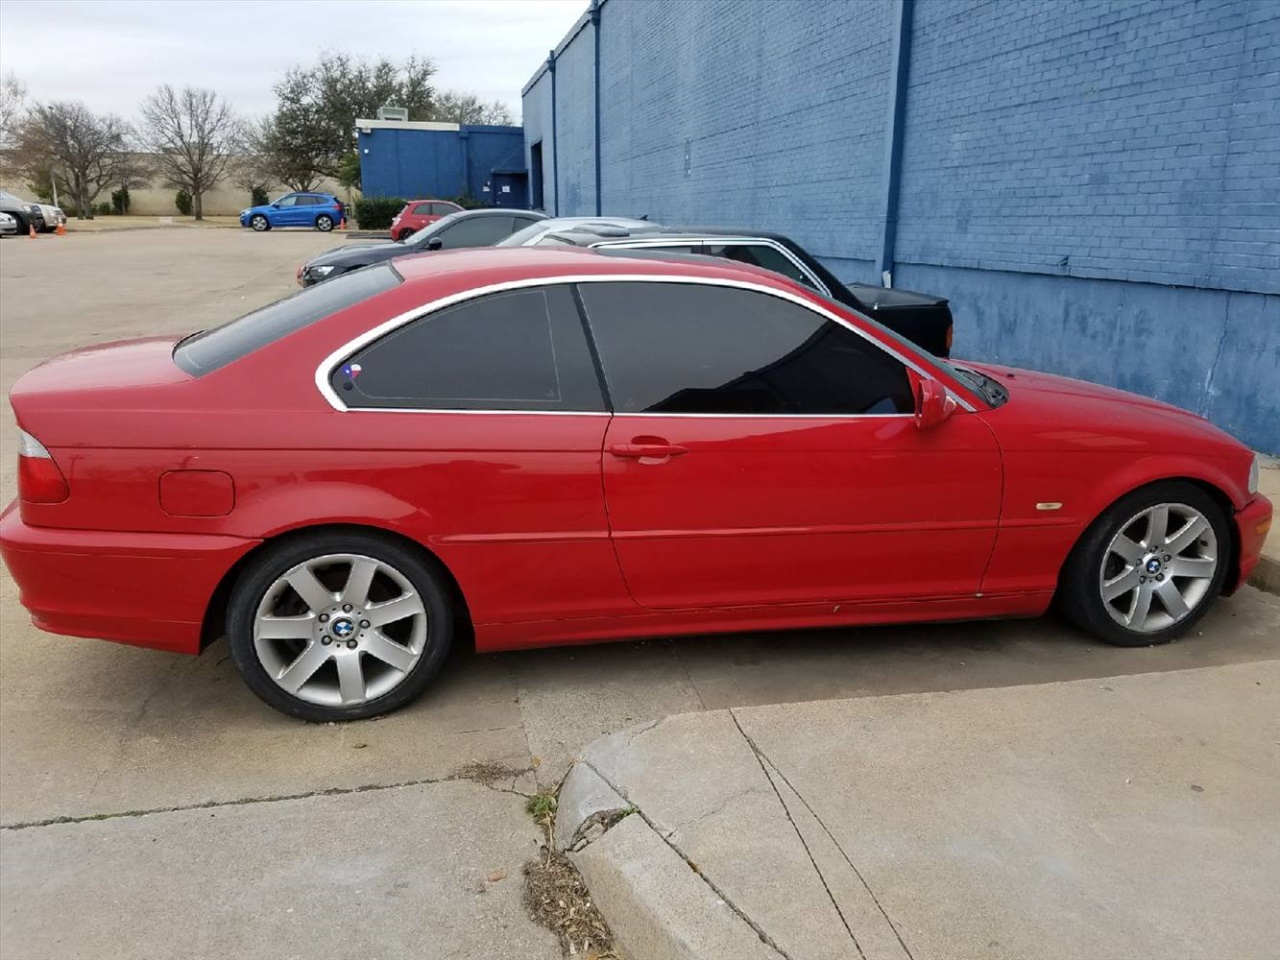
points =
(361, 254)
(1053, 411)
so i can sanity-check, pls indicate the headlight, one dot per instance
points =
(320, 271)
(1253, 475)
(244, 213)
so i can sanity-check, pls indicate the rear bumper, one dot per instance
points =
(1252, 523)
(145, 589)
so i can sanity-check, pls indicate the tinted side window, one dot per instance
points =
(288, 201)
(424, 210)
(214, 348)
(441, 209)
(518, 350)
(476, 232)
(687, 348)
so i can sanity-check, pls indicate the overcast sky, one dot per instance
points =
(112, 54)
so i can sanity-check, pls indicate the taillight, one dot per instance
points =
(39, 479)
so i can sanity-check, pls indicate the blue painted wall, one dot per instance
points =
(1095, 185)
(413, 163)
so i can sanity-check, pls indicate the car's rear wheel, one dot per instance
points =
(324, 223)
(259, 223)
(339, 626)
(1150, 567)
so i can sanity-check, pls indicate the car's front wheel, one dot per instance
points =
(339, 626)
(324, 223)
(259, 223)
(1150, 567)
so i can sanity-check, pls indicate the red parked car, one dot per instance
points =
(557, 446)
(418, 214)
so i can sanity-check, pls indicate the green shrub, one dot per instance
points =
(258, 197)
(103, 209)
(183, 202)
(468, 202)
(375, 213)
(120, 201)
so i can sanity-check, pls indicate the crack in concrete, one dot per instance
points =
(760, 759)
(741, 914)
(249, 801)
(760, 754)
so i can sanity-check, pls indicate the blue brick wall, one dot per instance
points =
(1135, 141)
(436, 163)
(536, 110)
(1072, 171)
(576, 126)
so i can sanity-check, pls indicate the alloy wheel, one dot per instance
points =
(340, 629)
(1159, 567)
(259, 223)
(324, 224)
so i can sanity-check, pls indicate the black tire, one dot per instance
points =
(324, 223)
(259, 576)
(22, 224)
(259, 223)
(1079, 596)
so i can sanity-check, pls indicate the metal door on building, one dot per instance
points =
(510, 188)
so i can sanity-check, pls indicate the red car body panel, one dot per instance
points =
(552, 537)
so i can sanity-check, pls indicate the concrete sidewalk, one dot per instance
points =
(429, 870)
(1127, 817)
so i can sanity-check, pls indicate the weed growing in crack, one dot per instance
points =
(556, 895)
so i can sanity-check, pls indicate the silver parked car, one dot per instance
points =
(8, 225)
(53, 216)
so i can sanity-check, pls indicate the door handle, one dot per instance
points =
(656, 450)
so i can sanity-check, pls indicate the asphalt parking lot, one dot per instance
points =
(91, 729)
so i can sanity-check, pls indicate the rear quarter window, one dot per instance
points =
(206, 351)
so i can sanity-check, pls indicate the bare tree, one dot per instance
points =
(455, 106)
(88, 150)
(192, 137)
(13, 99)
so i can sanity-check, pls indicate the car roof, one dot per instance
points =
(585, 235)
(481, 266)
(498, 212)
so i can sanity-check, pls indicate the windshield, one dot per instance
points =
(431, 229)
(523, 236)
(210, 349)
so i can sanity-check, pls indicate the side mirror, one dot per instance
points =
(275, 206)
(933, 403)
(435, 243)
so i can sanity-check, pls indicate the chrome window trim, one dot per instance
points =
(685, 239)
(327, 365)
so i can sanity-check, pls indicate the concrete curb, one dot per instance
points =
(1266, 575)
(658, 906)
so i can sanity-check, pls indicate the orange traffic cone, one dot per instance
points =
(61, 231)
(31, 230)
(342, 224)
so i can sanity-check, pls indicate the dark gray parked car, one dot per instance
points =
(26, 213)
(469, 228)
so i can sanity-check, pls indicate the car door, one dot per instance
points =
(763, 453)
(493, 413)
(284, 211)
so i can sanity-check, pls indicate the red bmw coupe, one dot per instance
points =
(557, 446)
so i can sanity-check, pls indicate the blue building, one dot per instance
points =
(409, 159)
(1095, 185)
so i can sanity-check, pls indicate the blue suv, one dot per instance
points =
(323, 211)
